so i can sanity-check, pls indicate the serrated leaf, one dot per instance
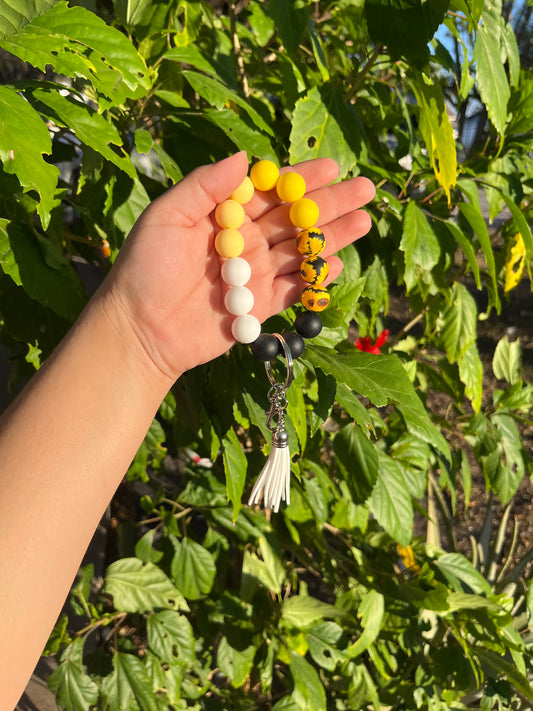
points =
(390, 501)
(128, 687)
(235, 465)
(290, 19)
(302, 611)
(466, 245)
(371, 611)
(170, 636)
(437, 132)
(309, 693)
(141, 587)
(193, 568)
(358, 460)
(459, 321)
(18, 13)
(507, 361)
(245, 137)
(130, 12)
(73, 687)
(491, 78)
(90, 127)
(471, 375)
(193, 57)
(22, 151)
(420, 246)
(383, 380)
(459, 572)
(324, 642)
(235, 664)
(21, 257)
(511, 468)
(316, 132)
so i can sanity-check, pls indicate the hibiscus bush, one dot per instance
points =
(359, 594)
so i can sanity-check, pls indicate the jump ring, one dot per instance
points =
(288, 361)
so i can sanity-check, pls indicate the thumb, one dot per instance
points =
(198, 193)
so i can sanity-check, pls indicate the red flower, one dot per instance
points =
(366, 345)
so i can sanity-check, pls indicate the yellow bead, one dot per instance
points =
(304, 213)
(244, 192)
(229, 214)
(264, 175)
(315, 298)
(290, 187)
(229, 243)
(310, 242)
(314, 270)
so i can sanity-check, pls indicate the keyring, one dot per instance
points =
(288, 360)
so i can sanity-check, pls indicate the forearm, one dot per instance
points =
(64, 446)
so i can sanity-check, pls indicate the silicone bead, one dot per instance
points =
(315, 298)
(308, 324)
(229, 243)
(310, 242)
(229, 214)
(295, 342)
(236, 272)
(265, 347)
(314, 270)
(304, 213)
(264, 175)
(239, 300)
(246, 328)
(244, 192)
(290, 187)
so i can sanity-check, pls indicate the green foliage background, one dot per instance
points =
(330, 604)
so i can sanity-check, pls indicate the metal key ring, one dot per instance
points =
(288, 360)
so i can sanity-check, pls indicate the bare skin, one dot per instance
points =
(68, 439)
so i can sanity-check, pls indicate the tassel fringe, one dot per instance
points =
(273, 483)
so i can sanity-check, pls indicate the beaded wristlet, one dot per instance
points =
(273, 483)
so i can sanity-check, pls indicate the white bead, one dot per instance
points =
(239, 300)
(236, 271)
(246, 328)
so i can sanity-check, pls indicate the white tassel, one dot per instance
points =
(273, 483)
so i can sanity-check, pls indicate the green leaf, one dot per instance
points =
(170, 636)
(471, 374)
(309, 693)
(420, 246)
(245, 137)
(318, 50)
(466, 245)
(76, 42)
(358, 459)
(21, 151)
(144, 548)
(128, 687)
(354, 407)
(437, 132)
(371, 611)
(141, 587)
(73, 687)
(192, 56)
(520, 221)
(235, 465)
(90, 127)
(405, 26)
(511, 466)
(383, 380)
(193, 568)
(290, 19)
(218, 95)
(507, 361)
(460, 572)
(390, 501)
(491, 78)
(235, 664)
(17, 13)
(458, 323)
(324, 643)
(301, 611)
(501, 666)
(130, 12)
(21, 257)
(316, 132)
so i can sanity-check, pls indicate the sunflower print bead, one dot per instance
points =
(314, 270)
(315, 298)
(310, 242)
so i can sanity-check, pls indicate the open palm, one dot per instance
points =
(168, 273)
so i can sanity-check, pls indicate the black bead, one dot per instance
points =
(308, 324)
(265, 347)
(295, 342)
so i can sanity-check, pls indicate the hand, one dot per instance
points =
(167, 276)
